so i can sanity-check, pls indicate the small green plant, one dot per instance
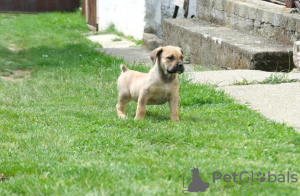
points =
(111, 29)
(186, 56)
(138, 42)
(274, 78)
(198, 68)
(117, 39)
(245, 82)
(277, 79)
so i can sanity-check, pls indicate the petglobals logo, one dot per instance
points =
(251, 176)
(192, 181)
(192, 178)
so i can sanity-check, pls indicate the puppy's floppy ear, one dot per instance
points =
(180, 50)
(154, 54)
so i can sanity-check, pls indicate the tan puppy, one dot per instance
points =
(157, 87)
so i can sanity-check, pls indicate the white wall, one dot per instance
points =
(134, 17)
(153, 16)
(126, 15)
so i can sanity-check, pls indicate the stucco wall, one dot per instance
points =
(126, 15)
(134, 17)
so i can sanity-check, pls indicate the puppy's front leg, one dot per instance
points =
(173, 103)
(141, 105)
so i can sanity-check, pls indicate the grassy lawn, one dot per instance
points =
(60, 134)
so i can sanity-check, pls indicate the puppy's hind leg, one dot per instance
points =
(122, 101)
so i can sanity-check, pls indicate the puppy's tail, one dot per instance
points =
(123, 68)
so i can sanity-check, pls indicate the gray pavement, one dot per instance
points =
(279, 102)
(122, 49)
(135, 54)
(230, 77)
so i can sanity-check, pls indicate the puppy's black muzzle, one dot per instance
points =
(179, 68)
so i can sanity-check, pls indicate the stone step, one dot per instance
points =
(151, 41)
(213, 45)
(256, 17)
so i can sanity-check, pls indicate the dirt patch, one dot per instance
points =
(2, 177)
(14, 48)
(15, 75)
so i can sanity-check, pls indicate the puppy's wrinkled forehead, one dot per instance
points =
(175, 52)
(167, 52)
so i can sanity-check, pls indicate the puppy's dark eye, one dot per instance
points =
(181, 57)
(171, 58)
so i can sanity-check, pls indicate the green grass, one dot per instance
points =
(60, 134)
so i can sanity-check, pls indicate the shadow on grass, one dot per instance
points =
(158, 117)
(10, 60)
(66, 55)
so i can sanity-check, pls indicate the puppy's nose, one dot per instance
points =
(180, 65)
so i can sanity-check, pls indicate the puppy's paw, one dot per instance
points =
(138, 118)
(122, 117)
(175, 118)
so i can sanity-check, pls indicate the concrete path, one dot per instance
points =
(279, 102)
(122, 49)
(231, 77)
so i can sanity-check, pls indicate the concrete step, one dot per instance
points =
(256, 17)
(151, 41)
(215, 45)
